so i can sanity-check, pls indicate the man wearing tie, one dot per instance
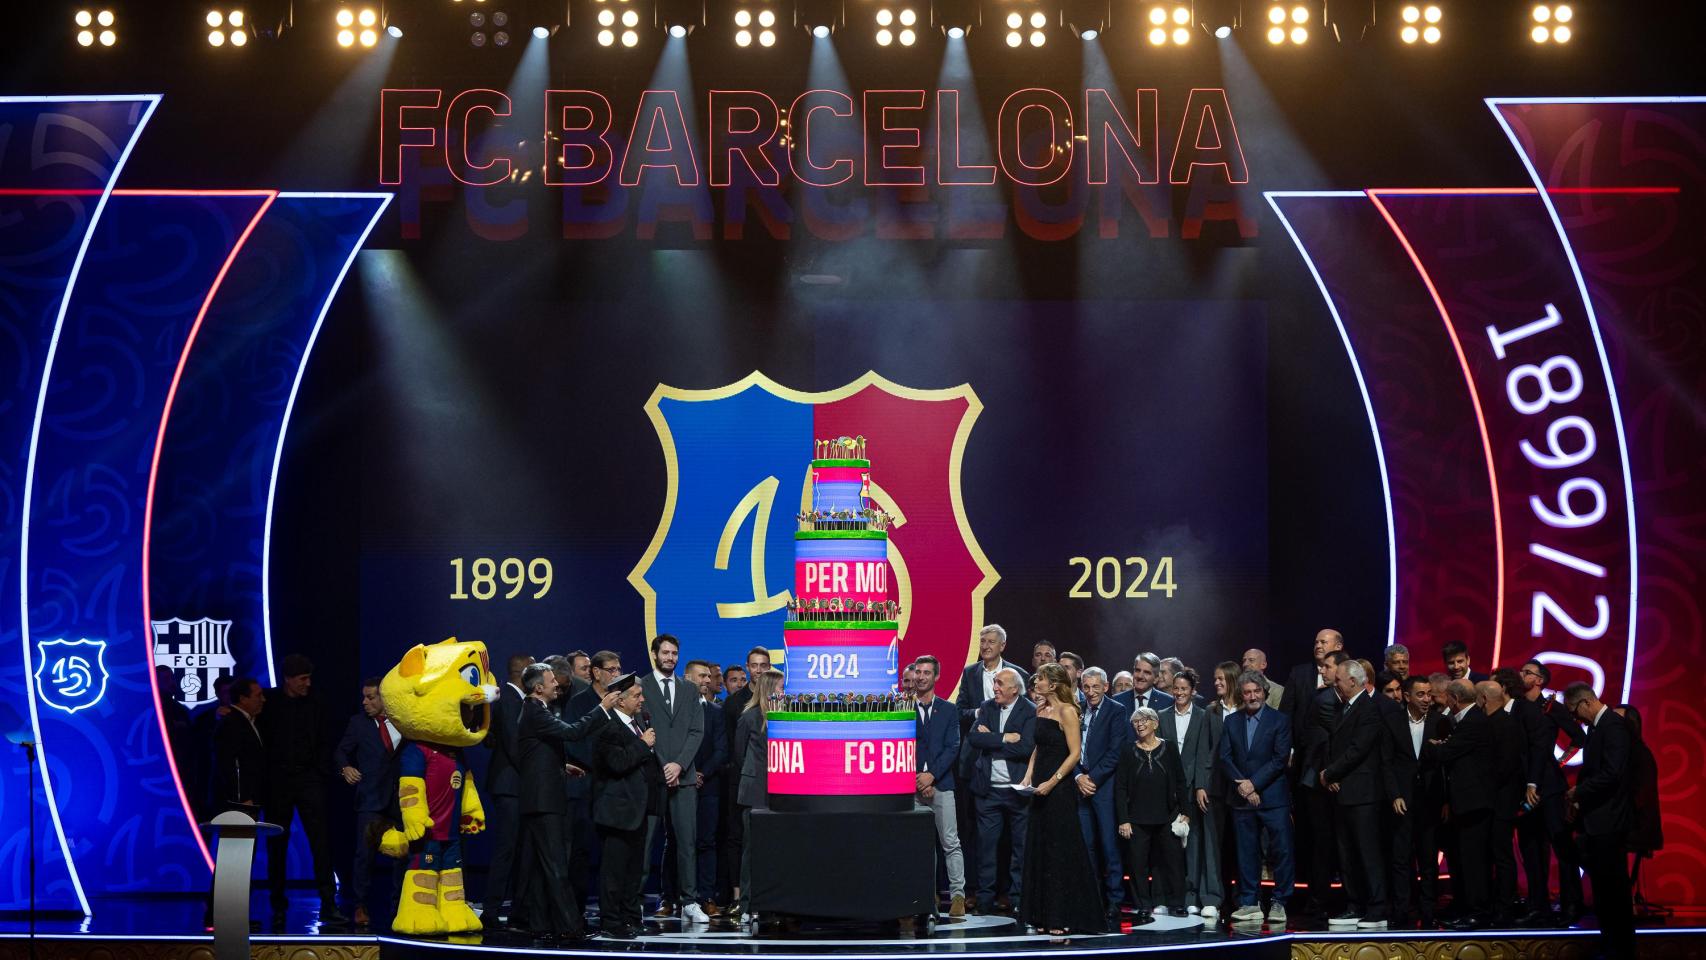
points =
(1603, 802)
(1352, 776)
(709, 769)
(680, 725)
(938, 750)
(502, 786)
(1471, 770)
(1254, 749)
(1107, 732)
(1002, 736)
(361, 756)
(239, 759)
(627, 793)
(1415, 795)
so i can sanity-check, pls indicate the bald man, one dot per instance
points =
(1510, 745)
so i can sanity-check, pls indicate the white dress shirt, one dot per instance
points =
(666, 683)
(989, 681)
(1182, 726)
(998, 774)
(1417, 728)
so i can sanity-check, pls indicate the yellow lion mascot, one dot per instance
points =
(440, 699)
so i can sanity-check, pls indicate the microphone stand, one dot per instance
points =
(30, 781)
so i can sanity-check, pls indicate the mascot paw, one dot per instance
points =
(417, 909)
(473, 825)
(459, 918)
(394, 844)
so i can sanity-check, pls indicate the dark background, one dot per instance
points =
(496, 409)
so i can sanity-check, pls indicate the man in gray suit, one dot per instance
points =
(1196, 733)
(680, 725)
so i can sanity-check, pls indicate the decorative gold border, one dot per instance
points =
(974, 407)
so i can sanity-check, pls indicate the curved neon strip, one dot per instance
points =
(290, 406)
(152, 101)
(1480, 417)
(1367, 405)
(1598, 342)
(154, 473)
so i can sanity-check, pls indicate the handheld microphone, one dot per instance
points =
(645, 719)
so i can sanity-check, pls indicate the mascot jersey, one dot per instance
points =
(443, 772)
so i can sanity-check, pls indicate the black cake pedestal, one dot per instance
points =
(859, 866)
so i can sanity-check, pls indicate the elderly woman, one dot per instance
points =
(1149, 799)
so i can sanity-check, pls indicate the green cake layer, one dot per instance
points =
(841, 534)
(840, 625)
(858, 464)
(843, 716)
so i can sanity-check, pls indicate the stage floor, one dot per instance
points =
(168, 928)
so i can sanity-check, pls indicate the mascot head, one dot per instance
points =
(442, 693)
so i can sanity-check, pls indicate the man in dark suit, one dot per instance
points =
(502, 787)
(544, 899)
(361, 756)
(1306, 678)
(938, 739)
(1145, 672)
(1002, 736)
(1107, 733)
(1469, 757)
(239, 759)
(295, 737)
(1255, 745)
(710, 766)
(627, 790)
(1604, 807)
(1314, 713)
(977, 685)
(603, 667)
(680, 724)
(1352, 775)
(1510, 745)
(1196, 732)
(1545, 827)
(737, 680)
(1415, 795)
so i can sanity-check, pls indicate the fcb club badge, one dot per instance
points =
(198, 652)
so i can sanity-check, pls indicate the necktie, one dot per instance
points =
(636, 725)
(385, 735)
(1250, 733)
(668, 694)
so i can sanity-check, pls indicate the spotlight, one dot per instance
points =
(1168, 23)
(1279, 15)
(1421, 23)
(1551, 23)
(88, 21)
(756, 24)
(357, 25)
(954, 33)
(678, 31)
(1222, 32)
(820, 31)
(228, 26)
(1022, 28)
(1088, 35)
(905, 18)
(1087, 18)
(820, 18)
(395, 31)
(678, 18)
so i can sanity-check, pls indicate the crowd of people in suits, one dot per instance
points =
(1152, 793)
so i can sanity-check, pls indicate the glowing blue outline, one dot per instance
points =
(1362, 386)
(153, 101)
(290, 404)
(1598, 342)
(100, 660)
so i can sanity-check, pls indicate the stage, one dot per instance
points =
(167, 929)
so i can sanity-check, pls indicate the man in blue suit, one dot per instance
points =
(1003, 733)
(362, 756)
(977, 684)
(1253, 749)
(1107, 733)
(938, 750)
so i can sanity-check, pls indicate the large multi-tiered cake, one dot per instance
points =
(843, 739)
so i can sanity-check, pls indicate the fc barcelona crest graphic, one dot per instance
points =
(71, 674)
(718, 570)
(197, 652)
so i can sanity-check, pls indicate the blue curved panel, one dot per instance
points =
(152, 263)
(59, 157)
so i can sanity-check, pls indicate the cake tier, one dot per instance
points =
(832, 463)
(801, 536)
(852, 754)
(836, 658)
(845, 569)
(839, 488)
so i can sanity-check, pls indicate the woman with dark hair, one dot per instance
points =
(1059, 886)
(1648, 835)
(1149, 803)
(1225, 691)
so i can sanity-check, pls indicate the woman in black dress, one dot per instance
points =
(1059, 889)
(1149, 797)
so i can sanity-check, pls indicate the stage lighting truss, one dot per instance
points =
(358, 25)
(1553, 23)
(227, 28)
(897, 24)
(1288, 23)
(618, 23)
(96, 27)
(1168, 24)
(490, 27)
(1027, 25)
(1420, 23)
(756, 23)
